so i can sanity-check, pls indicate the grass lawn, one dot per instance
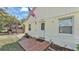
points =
(9, 43)
(12, 47)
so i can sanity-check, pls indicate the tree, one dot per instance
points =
(12, 20)
(2, 14)
(7, 20)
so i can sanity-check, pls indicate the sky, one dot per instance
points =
(19, 12)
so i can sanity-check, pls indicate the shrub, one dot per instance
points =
(77, 47)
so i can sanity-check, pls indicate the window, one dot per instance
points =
(65, 25)
(29, 27)
(43, 26)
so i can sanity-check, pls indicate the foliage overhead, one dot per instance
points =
(6, 19)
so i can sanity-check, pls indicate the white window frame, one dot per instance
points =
(64, 18)
(29, 27)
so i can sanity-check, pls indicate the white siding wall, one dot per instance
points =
(47, 12)
(52, 26)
